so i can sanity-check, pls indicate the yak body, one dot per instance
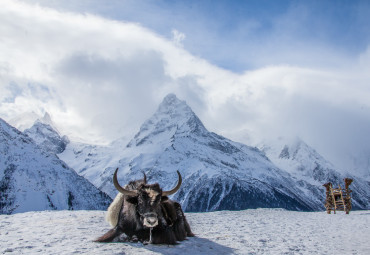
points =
(148, 217)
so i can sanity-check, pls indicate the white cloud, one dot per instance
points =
(100, 79)
(178, 37)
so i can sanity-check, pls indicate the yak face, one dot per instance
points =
(149, 204)
(147, 198)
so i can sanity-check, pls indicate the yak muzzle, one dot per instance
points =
(150, 220)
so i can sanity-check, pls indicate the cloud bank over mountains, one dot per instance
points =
(101, 78)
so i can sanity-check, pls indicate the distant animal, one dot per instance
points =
(143, 212)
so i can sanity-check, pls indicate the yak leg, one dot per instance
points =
(163, 236)
(181, 226)
(113, 235)
(107, 237)
(187, 228)
(185, 223)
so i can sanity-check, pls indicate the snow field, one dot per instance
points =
(260, 231)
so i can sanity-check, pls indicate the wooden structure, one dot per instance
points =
(338, 199)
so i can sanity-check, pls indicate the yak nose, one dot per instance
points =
(150, 220)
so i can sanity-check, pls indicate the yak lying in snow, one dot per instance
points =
(143, 212)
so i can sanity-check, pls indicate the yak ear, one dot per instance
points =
(132, 200)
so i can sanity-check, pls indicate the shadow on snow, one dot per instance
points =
(193, 246)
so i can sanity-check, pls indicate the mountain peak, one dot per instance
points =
(173, 106)
(171, 99)
(44, 133)
(173, 116)
(46, 119)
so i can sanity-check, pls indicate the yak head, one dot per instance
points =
(147, 198)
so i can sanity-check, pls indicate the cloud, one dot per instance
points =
(111, 93)
(101, 79)
(178, 37)
(104, 75)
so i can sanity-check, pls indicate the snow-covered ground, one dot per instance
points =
(260, 231)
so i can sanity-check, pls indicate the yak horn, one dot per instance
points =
(144, 177)
(120, 189)
(173, 191)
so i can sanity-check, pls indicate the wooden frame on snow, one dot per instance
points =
(338, 199)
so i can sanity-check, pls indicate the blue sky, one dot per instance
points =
(251, 70)
(242, 35)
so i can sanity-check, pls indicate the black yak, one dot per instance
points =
(143, 212)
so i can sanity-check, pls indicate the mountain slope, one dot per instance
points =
(217, 173)
(94, 162)
(308, 167)
(32, 179)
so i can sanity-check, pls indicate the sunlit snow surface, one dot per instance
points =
(259, 231)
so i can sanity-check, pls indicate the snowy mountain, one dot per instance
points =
(308, 167)
(218, 174)
(44, 133)
(33, 179)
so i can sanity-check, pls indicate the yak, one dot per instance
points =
(143, 212)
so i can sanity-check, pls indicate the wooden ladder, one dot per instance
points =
(338, 200)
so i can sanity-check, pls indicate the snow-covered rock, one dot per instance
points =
(217, 173)
(33, 179)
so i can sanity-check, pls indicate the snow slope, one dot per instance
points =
(93, 161)
(33, 179)
(254, 231)
(217, 173)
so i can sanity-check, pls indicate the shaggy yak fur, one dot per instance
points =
(146, 215)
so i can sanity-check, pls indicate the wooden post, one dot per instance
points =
(348, 182)
(328, 201)
(338, 199)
